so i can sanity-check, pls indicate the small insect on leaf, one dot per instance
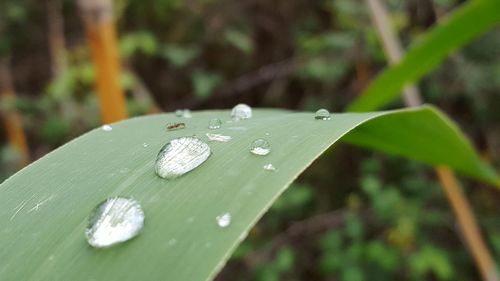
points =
(175, 126)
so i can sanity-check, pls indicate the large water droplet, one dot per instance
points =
(322, 114)
(224, 220)
(269, 167)
(260, 147)
(218, 137)
(241, 111)
(107, 128)
(175, 126)
(185, 113)
(180, 156)
(214, 124)
(114, 221)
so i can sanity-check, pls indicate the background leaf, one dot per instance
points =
(463, 25)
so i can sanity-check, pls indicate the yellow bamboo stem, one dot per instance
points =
(101, 36)
(11, 118)
(461, 207)
(468, 224)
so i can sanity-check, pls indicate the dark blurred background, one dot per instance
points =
(354, 214)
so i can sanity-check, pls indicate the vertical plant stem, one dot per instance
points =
(466, 220)
(392, 47)
(11, 118)
(461, 207)
(101, 36)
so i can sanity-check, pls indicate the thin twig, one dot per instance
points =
(461, 207)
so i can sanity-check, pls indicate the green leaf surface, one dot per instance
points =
(463, 25)
(45, 206)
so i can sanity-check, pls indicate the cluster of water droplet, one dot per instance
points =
(119, 219)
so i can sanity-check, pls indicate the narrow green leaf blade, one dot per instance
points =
(466, 23)
(45, 206)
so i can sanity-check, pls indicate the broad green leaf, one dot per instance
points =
(466, 23)
(45, 206)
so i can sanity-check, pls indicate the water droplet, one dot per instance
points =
(241, 111)
(184, 113)
(107, 128)
(224, 220)
(172, 242)
(175, 126)
(260, 147)
(269, 167)
(180, 156)
(114, 221)
(322, 114)
(218, 137)
(214, 123)
(145, 144)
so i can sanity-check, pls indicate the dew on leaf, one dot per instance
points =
(218, 137)
(184, 113)
(269, 167)
(107, 128)
(180, 156)
(114, 221)
(260, 147)
(322, 114)
(241, 111)
(214, 123)
(223, 220)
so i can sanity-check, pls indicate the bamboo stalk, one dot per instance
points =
(461, 207)
(101, 36)
(11, 118)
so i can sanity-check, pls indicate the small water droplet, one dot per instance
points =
(218, 137)
(180, 156)
(107, 128)
(260, 147)
(214, 124)
(175, 126)
(224, 220)
(269, 167)
(184, 113)
(241, 111)
(172, 242)
(190, 220)
(145, 144)
(322, 114)
(114, 221)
